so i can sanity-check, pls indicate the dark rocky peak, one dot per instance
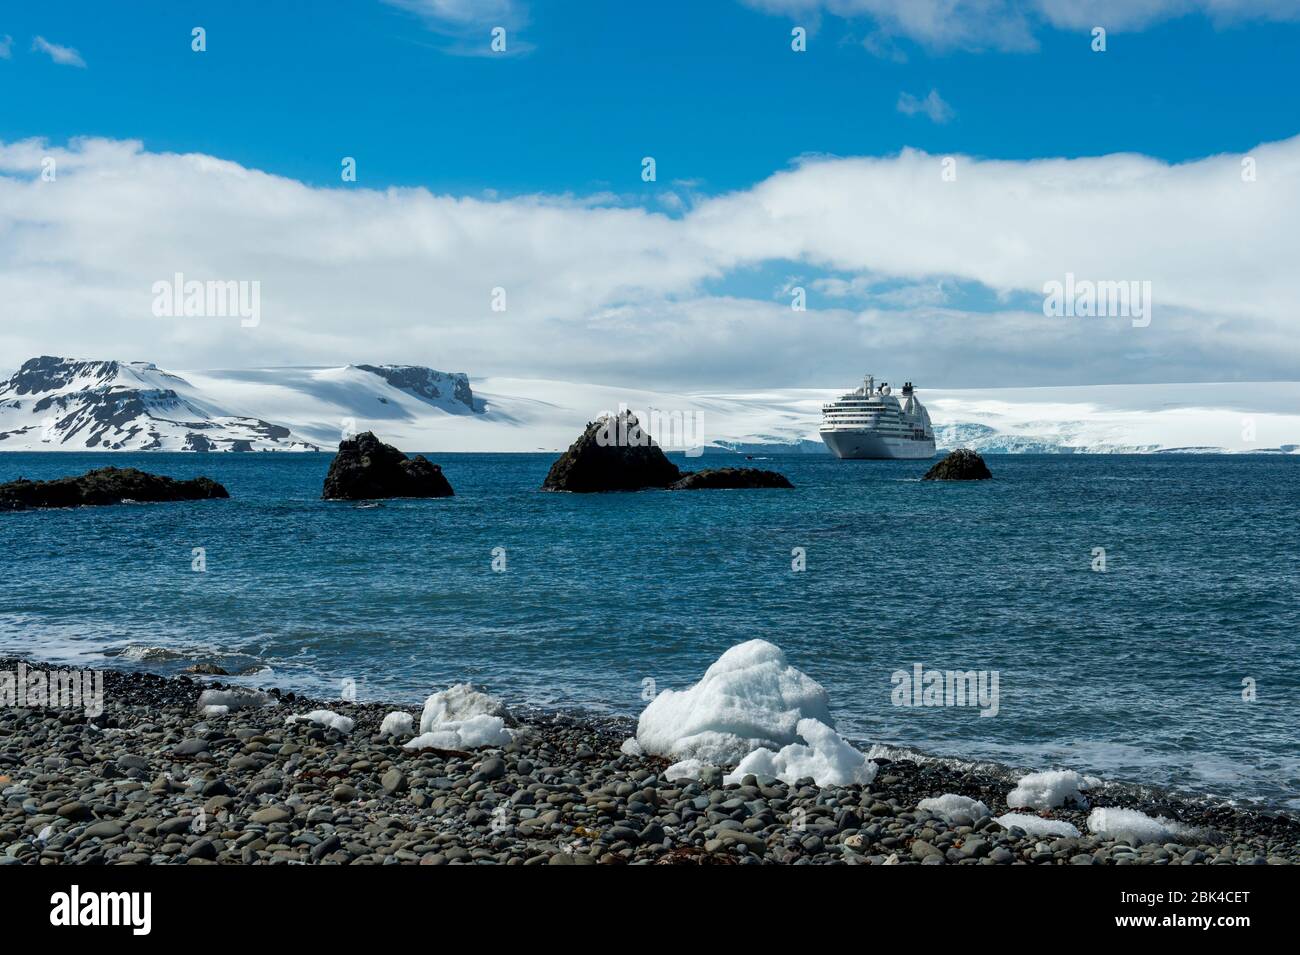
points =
(365, 469)
(612, 454)
(960, 465)
(48, 373)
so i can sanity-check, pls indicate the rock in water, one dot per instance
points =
(960, 465)
(613, 454)
(366, 468)
(711, 478)
(105, 486)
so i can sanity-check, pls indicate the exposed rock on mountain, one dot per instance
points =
(365, 468)
(440, 387)
(613, 454)
(960, 465)
(718, 478)
(105, 486)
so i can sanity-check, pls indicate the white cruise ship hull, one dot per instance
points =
(869, 444)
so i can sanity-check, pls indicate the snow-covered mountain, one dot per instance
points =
(61, 404)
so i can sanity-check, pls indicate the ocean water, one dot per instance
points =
(1135, 673)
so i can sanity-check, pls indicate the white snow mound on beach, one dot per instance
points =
(457, 704)
(827, 757)
(473, 733)
(953, 807)
(344, 724)
(397, 724)
(1037, 825)
(234, 700)
(1129, 823)
(631, 747)
(461, 717)
(1050, 790)
(686, 769)
(749, 699)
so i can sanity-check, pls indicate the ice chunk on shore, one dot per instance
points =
(457, 704)
(461, 717)
(825, 756)
(334, 721)
(213, 710)
(1138, 826)
(1050, 790)
(232, 700)
(961, 810)
(475, 732)
(398, 724)
(1037, 825)
(750, 698)
(686, 769)
(631, 747)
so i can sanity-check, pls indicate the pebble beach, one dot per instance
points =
(150, 781)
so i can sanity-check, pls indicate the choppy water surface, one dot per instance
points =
(1135, 673)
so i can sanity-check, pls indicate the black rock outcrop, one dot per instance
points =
(365, 469)
(613, 454)
(960, 465)
(717, 478)
(105, 486)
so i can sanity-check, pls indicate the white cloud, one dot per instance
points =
(466, 24)
(1012, 25)
(7, 48)
(932, 105)
(64, 55)
(597, 291)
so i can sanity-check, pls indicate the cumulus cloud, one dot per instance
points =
(600, 291)
(932, 105)
(64, 55)
(1012, 25)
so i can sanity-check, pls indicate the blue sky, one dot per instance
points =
(711, 90)
(775, 170)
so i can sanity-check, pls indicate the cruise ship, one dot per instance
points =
(872, 423)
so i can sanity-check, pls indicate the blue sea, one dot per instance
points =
(1133, 673)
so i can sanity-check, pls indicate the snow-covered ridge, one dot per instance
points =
(54, 404)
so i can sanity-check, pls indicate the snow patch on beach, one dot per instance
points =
(328, 718)
(221, 702)
(398, 725)
(1037, 825)
(461, 717)
(458, 703)
(960, 810)
(749, 699)
(827, 757)
(473, 733)
(686, 769)
(1131, 824)
(1051, 790)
